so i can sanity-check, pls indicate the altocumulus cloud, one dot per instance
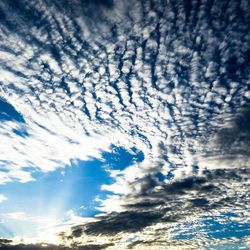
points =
(170, 78)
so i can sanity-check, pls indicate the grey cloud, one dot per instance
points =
(5, 245)
(129, 221)
(235, 140)
(175, 202)
(198, 192)
(230, 144)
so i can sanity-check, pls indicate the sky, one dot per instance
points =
(124, 124)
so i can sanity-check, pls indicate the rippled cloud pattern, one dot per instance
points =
(158, 91)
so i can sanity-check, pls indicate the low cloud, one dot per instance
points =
(167, 205)
(7, 245)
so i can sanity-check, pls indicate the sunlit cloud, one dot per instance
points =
(2, 198)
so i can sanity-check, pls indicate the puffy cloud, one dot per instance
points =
(187, 213)
(2, 198)
(212, 193)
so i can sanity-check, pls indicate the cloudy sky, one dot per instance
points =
(124, 124)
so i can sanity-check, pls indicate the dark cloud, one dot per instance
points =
(235, 140)
(94, 247)
(129, 221)
(229, 145)
(174, 202)
(5, 246)
(32, 247)
(211, 190)
(4, 241)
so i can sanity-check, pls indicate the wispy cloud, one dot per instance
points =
(2, 198)
(16, 216)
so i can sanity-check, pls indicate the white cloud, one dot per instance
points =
(16, 216)
(2, 198)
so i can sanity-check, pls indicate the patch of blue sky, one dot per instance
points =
(161, 177)
(224, 226)
(53, 194)
(21, 131)
(64, 189)
(74, 188)
(9, 113)
(119, 158)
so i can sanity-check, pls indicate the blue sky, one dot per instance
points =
(76, 187)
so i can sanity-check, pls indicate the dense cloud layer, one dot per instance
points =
(170, 78)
